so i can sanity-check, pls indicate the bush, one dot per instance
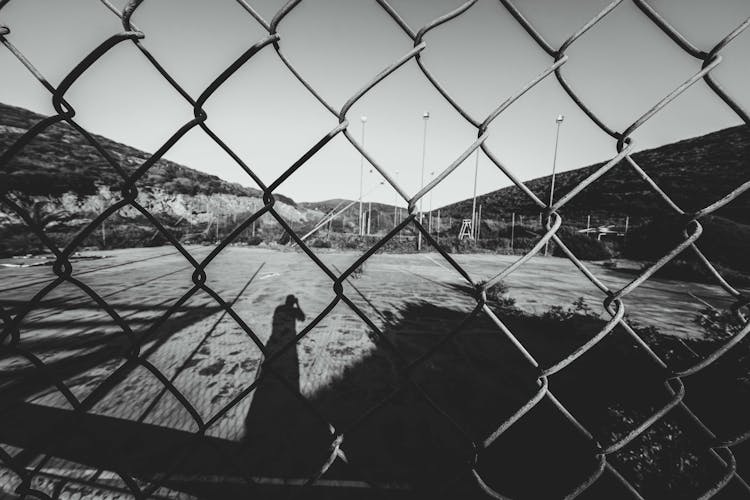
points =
(320, 243)
(726, 242)
(583, 246)
(254, 240)
(718, 324)
(579, 308)
(723, 241)
(497, 295)
(694, 270)
(285, 239)
(654, 239)
(524, 243)
(19, 240)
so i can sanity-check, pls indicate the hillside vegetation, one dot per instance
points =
(63, 183)
(694, 173)
(60, 160)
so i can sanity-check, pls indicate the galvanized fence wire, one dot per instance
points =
(613, 301)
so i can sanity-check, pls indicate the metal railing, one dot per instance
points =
(614, 300)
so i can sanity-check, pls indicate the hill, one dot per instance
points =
(693, 172)
(63, 183)
(60, 160)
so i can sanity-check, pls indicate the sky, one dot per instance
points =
(620, 68)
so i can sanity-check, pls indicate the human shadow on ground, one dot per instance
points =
(276, 403)
(416, 425)
(408, 428)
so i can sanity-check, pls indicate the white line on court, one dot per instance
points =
(435, 262)
(77, 475)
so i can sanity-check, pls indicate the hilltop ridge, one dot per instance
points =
(60, 160)
(694, 172)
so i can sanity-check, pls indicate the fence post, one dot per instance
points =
(479, 221)
(104, 234)
(512, 230)
(438, 227)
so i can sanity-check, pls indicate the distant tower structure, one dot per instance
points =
(466, 230)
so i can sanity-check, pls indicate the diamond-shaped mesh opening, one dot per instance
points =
(542, 436)
(142, 101)
(174, 45)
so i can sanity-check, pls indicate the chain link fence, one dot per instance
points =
(614, 301)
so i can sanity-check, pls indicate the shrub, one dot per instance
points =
(524, 243)
(497, 295)
(582, 246)
(285, 239)
(718, 324)
(652, 240)
(726, 242)
(723, 241)
(254, 240)
(320, 243)
(19, 241)
(579, 308)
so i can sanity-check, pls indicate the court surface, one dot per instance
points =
(211, 360)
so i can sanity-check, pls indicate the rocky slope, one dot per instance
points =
(65, 173)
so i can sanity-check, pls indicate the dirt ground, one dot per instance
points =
(211, 360)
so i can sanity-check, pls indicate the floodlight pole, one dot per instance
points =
(369, 213)
(474, 199)
(558, 121)
(425, 117)
(363, 118)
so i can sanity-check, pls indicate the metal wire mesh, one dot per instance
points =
(614, 300)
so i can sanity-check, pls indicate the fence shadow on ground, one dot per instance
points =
(87, 343)
(406, 438)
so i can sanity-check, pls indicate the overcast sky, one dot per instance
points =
(620, 68)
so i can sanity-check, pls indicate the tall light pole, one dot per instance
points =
(425, 117)
(363, 118)
(474, 199)
(558, 121)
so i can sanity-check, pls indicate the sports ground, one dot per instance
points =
(211, 360)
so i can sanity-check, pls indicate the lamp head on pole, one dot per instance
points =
(363, 118)
(426, 115)
(559, 119)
